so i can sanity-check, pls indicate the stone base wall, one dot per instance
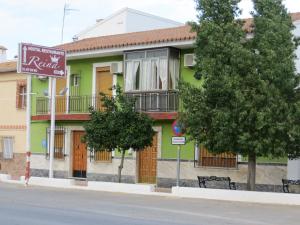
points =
(268, 176)
(14, 167)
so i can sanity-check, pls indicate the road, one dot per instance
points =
(21, 205)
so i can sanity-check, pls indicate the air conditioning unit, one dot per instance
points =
(116, 68)
(189, 60)
(42, 78)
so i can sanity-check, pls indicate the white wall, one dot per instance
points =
(141, 22)
(293, 170)
(126, 21)
(115, 25)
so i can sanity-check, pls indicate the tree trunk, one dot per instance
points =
(251, 171)
(121, 166)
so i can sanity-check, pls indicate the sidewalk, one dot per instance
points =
(150, 189)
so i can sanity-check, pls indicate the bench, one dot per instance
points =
(286, 183)
(203, 179)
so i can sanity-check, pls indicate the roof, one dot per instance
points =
(8, 66)
(2, 47)
(126, 10)
(181, 33)
(249, 21)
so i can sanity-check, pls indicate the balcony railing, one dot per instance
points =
(68, 105)
(156, 101)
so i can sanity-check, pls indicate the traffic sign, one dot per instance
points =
(177, 128)
(178, 140)
(41, 61)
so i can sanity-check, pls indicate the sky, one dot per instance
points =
(40, 21)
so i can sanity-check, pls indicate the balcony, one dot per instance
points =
(68, 105)
(155, 101)
(158, 104)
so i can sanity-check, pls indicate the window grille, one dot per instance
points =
(7, 147)
(59, 143)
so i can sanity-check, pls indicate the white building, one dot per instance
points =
(126, 21)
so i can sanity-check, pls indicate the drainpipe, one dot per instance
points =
(28, 130)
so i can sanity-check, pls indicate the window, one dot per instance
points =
(21, 94)
(102, 156)
(59, 143)
(7, 147)
(151, 70)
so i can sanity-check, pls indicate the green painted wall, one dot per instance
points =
(38, 88)
(38, 134)
(84, 67)
(169, 151)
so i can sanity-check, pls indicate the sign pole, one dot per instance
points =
(28, 123)
(52, 128)
(178, 165)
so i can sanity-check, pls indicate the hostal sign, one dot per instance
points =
(42, 61)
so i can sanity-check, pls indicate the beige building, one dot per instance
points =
(12, 120)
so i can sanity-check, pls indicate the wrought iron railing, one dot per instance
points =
(150, 101)
(155, 101)
(71, 104)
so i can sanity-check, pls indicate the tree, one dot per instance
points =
(118, 127)
(247, 103)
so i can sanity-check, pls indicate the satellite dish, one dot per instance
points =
(45, 92)
(63, 92)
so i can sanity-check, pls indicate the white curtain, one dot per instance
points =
(174, 72)
(128, 78)
(146, 75)
(163, 73)
(131, 70)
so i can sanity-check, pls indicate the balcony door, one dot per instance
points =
(104, 83)
(61, 104)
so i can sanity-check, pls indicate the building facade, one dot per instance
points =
(147, 65)
(12, 120)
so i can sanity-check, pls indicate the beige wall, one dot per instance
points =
(12, 120)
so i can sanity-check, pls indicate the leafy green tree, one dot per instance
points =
(247, 103)
(118, 127)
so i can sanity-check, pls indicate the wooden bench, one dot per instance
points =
(286, 183)
(203, 179)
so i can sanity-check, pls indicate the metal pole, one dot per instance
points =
(52, 128)
(178, 165)
(28, 121)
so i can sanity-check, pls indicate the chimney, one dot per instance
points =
(2, 53)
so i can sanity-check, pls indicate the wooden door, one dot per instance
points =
(61, 104)
(79, 155)
(147, 163)
(104, 83)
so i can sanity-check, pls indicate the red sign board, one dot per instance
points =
(41, 61)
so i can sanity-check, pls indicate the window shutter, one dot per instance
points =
(7, 147)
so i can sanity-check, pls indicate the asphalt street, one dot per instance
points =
(21, 205)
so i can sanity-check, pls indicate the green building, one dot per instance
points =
(148, 65)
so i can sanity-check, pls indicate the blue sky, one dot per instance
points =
(40, 21)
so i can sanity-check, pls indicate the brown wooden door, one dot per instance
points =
(104, 83)
(79, 155)
(147, 163)
(60, 105)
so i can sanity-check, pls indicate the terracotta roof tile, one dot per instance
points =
(8, 66)
(181, 33)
